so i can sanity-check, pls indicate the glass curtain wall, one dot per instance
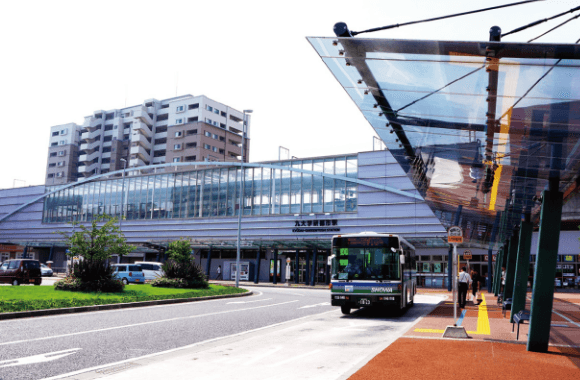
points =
(211, 193)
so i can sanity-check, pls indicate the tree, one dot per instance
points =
(98, 243)
(179, 251)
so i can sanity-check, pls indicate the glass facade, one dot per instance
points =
(211, 192)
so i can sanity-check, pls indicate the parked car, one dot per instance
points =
(20, 271)
(45, 270)
(151, 269)
(129, 273)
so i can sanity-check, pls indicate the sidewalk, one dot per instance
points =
(492, 349)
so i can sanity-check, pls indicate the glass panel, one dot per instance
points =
(295, 187)
(307, 188)
(276, 191)
(248, 174)
(266, 184)
(215, 191)
(256, 190)
(223, 196)
(232, 192)
(328, 185)
(317, 188)
(285, 191)
(206, 194)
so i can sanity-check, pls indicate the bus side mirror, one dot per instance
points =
(402, 259)
(330, 259)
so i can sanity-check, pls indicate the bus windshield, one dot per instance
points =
(365, 264)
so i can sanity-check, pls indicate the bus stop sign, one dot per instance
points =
(455, 235)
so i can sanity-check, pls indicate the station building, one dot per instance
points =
(290, 210)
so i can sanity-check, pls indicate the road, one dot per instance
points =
(45, 347)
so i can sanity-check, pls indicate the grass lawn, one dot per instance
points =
(23, 298)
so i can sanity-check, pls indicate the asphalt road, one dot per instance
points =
(38, 348)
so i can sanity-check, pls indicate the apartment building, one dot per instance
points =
(181, 129)
(63, 151)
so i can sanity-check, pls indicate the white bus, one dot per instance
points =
(372, 269)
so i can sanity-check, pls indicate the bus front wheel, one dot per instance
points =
(345, 310)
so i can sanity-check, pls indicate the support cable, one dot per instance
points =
(556, 27)
(532, 87)
(447, 85)
(539, 22)
(443, 17)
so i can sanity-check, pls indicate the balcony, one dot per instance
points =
(88, 157)
(88, 170)
(139, 152)
(89, 136)
(140, 139)
(136, 162)
(139, 127)
(142, 115)
(89, 147)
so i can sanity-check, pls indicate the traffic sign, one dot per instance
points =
(467, 255)
(455, 235)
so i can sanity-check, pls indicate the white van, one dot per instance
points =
(151, 269)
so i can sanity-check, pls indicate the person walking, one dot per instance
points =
(474, 285)
(464, 280)
(219, 273)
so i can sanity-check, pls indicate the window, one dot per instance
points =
(215, 123)
(164, 106)
(216, 111)
(215, 137)
(106, 149)
(161, 129)
(222, 138)
(206, 146)
(207, 134)
(105, 161)
(222, 125)
(176, 159)
(60, 174)
(162, 117)
(115, 127)
(53, 154)
(190, 158)
(179, 134)
(192, 119)
(177, 146)
(54, 144)
(61, 152)
(192, 132)
(107, 138)
(161, 141)
(61, 163)
(208, 120)
(223, 113)
(193, 106)
(159, 153)
(180, 109)
(178, 121)
(63, 132)
(191, 145)
(214, 149)
(209, 108)
(109, 127)
(50, 175)
(110, 116)
(55, 133)
(222, 151)
(62, 142)
(51, 165)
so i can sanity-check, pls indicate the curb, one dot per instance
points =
(84, 309)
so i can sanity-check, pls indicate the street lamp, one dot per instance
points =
(241, 208)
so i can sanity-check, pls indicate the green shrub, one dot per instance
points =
(91, 276)
(185, 274)
(164, 282)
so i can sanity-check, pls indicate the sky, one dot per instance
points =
(63, 60)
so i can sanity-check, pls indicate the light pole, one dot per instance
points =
(122, 198)
(241, 208)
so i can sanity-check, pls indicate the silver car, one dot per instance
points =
(151, 269)
(45, 271)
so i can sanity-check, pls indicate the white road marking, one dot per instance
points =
(294, 358)
(318, 304)
(39, 358)
(143, 324)
(264, 355)
(180, 348)
(265, 299)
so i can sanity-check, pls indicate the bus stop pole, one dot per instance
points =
(454, 284)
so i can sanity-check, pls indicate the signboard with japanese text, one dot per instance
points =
(455, 235)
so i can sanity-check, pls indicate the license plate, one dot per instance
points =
(30, 280)
(137, 280)
(364, 301)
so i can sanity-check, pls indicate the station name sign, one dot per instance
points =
(329, 225)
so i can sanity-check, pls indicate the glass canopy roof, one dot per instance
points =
(479, 127)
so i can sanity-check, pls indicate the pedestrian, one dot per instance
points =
(474, 285)
(219, 273)
(464, 280)
(502, 279)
